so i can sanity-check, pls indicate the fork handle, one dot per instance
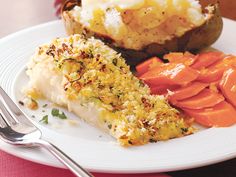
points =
(66, 160)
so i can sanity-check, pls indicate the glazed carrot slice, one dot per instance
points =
(215, 71)
(162, 89)
(214, 86)
(146, 65)
(206, 59)
(188, 91)
(205, 99)
(228, 85)
(221, 115)
(227, 62)
(170, 74)
(179, 57)
(211, 74)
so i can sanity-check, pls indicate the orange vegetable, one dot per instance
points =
(170, 74)
(178, 57)
(216, 70)
(198, 84)
(162, 89)
(228, 61)
(205, 99)
(228, 85)
(221, 115)
(211, 74)
(214, 86)
(148, 64)
(188, 91)
(206, 59)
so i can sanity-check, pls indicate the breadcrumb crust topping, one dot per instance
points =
(95, 73)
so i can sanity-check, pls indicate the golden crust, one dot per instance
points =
(95, 74)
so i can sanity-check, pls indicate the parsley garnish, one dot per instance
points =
(56, 113)
(45, 105)
(62, 116)
(44, 119)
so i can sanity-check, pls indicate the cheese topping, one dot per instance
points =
(134, 24)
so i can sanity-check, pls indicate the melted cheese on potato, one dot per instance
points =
(133, 24)
(122, 4)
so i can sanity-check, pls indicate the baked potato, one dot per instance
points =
(138, 37)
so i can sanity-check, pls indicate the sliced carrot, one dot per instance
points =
(205, 99)
(188, 91)
(170, 74)
(215, 71)
(162, 89)
(146, 65)
(178, 57)
(228, 85)
(221, 115)
(174, 57)
(228, 60)
(214, 86)
(204, 60)
(211, 74)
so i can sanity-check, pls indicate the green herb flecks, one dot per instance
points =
(56, 113)
(62, 116)
(45, 105)
(44, 119)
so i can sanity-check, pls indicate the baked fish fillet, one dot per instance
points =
(93, 81)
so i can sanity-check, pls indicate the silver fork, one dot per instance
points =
(17, 129)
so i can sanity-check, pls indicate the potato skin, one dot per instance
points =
(193, 40)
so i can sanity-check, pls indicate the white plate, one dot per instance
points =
(90, 147)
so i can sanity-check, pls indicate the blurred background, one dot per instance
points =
(18, 14)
